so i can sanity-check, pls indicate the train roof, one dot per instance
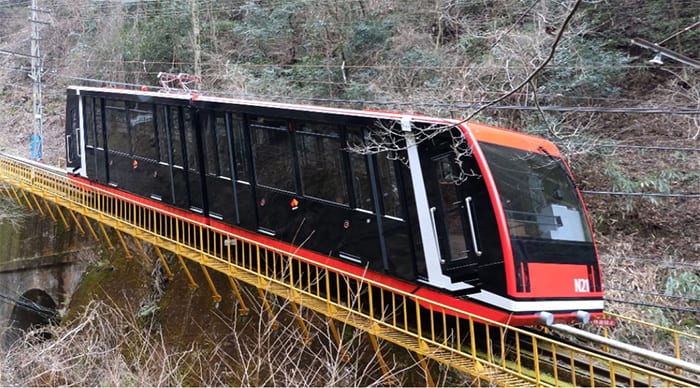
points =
(481, 132)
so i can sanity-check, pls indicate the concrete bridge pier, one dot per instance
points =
(41, 264)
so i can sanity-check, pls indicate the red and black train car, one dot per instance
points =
(476, 217)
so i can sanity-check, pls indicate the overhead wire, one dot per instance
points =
(667, 262)
(653, 305)
(450, 106)
(675, 34)
(391, 67)
(655, 294)
(29, 305)
(641, 194)
(594, 144)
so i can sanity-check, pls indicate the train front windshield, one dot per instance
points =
(538, 196)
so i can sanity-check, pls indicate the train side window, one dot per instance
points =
(272, 154)
(98, 110)
(238, 143)
(88, 122)
(162, 133)
(208, 125)
(222, 141)
(175, 143)
(118, 139)
(190, 138)
(321, 164)
(92, 122)
(72, 130)
(361, 185)
(389, 186)
(142, 130)
(360, 181)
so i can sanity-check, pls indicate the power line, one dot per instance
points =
(454, 87)
(653, 294)
(29, 305)
(659, 262)
(673, 308)
(452, 106)
(631, 146)
(633, 194)
(690, 27)
(477, 104)
(392, 67)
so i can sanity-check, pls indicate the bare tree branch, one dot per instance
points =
(539, 68)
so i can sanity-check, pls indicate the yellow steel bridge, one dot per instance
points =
(493, 353)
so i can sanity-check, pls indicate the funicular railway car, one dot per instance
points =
(472, 216)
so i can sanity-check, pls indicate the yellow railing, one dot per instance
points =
(503, 355)
(677, 336)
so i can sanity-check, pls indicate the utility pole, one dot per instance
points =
(37, 136)
(195, 38)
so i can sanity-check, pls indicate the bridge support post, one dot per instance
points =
(215, 294)
(90, 228)
(26, 199)
(237, 292)
(7, 191)
(378, 352)
(38, 206)
(268, 308)
(337, 339)
(107, 239)
(139, 246)
(428, 376)
(127, 252)
(164, 262)
(48, 209)
(14, 195)
(193, 284)
(77, 223)
(300, 321)
(63, 218)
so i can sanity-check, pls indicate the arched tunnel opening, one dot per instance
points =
(34, 309)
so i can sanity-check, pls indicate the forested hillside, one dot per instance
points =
(563, 69)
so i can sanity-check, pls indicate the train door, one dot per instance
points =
(185, 174)
(222, 201)
(275, 174)
(451, 207)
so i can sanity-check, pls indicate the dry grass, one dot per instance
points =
(116, 347)
(103, 346)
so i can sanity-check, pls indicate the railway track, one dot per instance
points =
(602, 375)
